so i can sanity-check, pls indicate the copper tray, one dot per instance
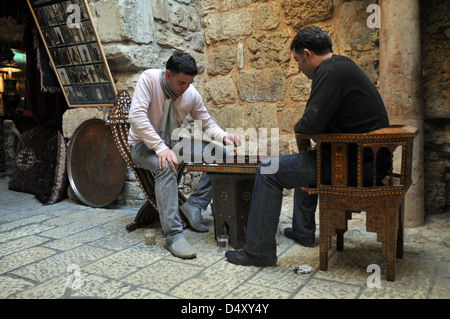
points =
(95, 167)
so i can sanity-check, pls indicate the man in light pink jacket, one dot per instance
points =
(162, 99)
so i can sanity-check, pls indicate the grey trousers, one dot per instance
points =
(166, 187)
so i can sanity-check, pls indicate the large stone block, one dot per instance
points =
(299, 88)
(228, 25)
(105, 16)
(355, 34)
(161, 10)
(262, 115)
(268, 16)
(222, 90)
(220, 59)
(269, 86)
(137, 20)
(269, 50)
(122, 20)
(186, 17)
(130, 57)
(166, 38)
(228, 117)
(300, 13)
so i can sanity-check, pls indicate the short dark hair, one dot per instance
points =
(314, 39)
(181, 62)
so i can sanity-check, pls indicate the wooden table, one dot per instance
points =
(232, 185)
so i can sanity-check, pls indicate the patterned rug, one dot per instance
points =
(40, 165)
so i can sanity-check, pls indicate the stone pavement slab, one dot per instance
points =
(70, 251)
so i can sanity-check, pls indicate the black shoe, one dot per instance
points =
(307, 242)
(241, 257)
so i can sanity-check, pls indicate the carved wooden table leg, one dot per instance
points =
(232, 196)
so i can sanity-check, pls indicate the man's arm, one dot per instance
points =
(210, 127)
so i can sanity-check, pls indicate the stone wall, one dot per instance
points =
(251, 78)
(435, 16)
(247, 76)
(135, 36)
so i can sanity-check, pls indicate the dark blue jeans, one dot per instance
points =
(294, 171)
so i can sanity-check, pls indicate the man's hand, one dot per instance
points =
(232, 139)
(169, 156)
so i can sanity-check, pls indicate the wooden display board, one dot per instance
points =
(75, 51)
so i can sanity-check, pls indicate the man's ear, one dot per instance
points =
(167, 74)
(307, 53)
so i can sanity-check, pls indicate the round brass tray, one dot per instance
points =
(95, 167)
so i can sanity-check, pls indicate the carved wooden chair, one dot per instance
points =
(346, 192)
(118, 120)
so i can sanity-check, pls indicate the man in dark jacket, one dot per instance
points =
(342, 100)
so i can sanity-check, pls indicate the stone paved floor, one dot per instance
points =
(45, 250)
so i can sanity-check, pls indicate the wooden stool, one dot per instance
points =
(383, 204)
(118, 120)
